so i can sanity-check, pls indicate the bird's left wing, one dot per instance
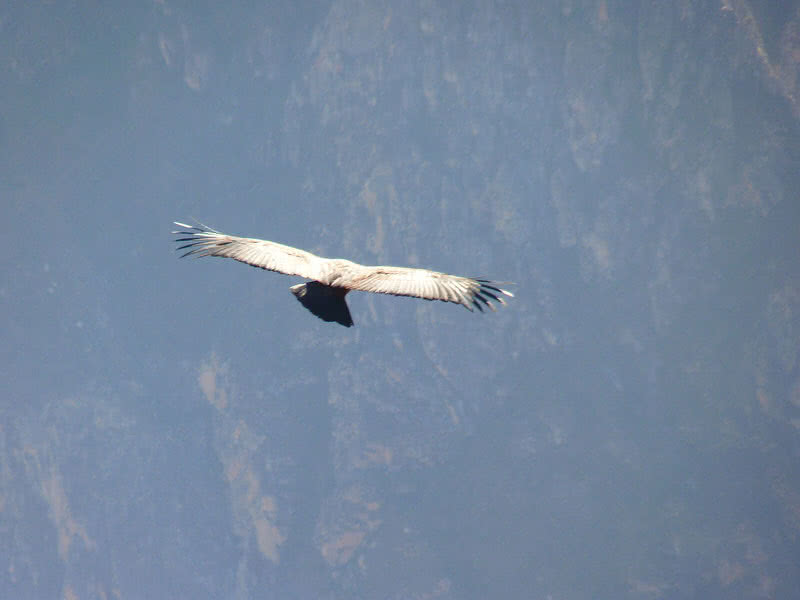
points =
(429, 285)
(204, 241)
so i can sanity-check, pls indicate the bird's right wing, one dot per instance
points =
(429, 285)
(204, 241)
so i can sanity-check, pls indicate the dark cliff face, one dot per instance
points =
(627, 427)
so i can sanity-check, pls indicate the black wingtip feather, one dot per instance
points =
(485, 301)
(195, 243)
(194, 238)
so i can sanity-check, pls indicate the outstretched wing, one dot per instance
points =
(204, 241)
(430, 285)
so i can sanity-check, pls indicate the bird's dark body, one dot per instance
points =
(324, 301)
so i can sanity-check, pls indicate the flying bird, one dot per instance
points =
(332, 278)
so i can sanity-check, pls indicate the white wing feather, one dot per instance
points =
(429, 285)
(204, 241)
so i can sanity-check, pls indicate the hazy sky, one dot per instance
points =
(627, 427)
